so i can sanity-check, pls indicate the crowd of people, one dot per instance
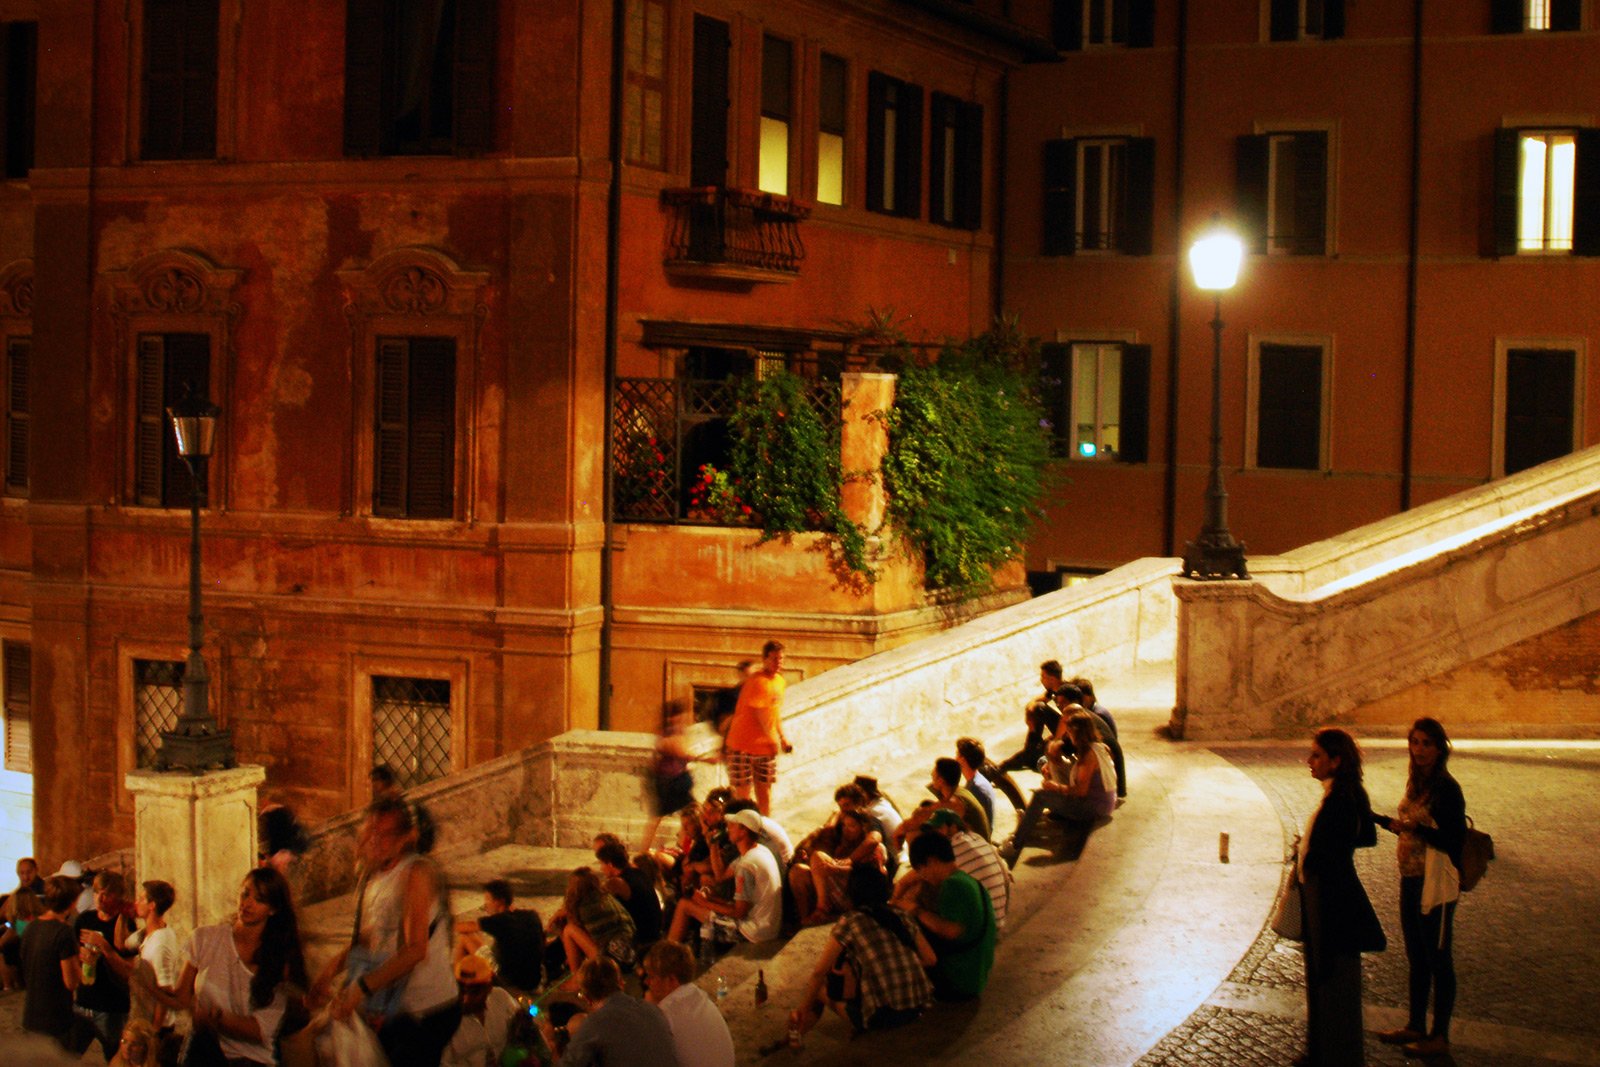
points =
(915, 901)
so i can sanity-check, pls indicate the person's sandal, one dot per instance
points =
(1428, 1046)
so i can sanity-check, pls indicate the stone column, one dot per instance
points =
(199, 833)
(865, 441)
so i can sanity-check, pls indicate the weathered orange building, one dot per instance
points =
(1418, 185)
(411, 250)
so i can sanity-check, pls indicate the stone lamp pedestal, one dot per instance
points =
(197, 831)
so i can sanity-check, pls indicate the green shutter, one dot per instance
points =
(1136, 227)
(1311, 193)
(149, 431)
(390, 425)
(1507, 162)
(430, 478)
(908, 154)
(1586, 201)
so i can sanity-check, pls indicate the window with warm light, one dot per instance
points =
(777, 72)
(1535, 16)
(1547, 168)
(832, 96)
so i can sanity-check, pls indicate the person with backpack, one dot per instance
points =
(1432, 827)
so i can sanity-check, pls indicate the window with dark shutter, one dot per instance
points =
(19, 351)
(1546, 192)
(1289, 406)
(179, 115)
(419, 77)
(19, 50)
(1096, 395)
(955, 162)
(1135, 222)
(1539, 405)
(708, 104)
(1283, 192)
(415, 424)
(1060, 236)
(1305, 20)
(894, 146)
(1075, 24)
(168, 367)
(17, 678)
(1517, 16)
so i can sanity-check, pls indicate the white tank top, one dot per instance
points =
(431, 983)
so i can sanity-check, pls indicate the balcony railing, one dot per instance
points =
(734, 233)
(664, 429)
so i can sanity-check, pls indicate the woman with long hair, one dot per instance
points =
(594, 923)
(1432, 824)
(1336, 915)
(238, 975)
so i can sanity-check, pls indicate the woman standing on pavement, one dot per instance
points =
(1337, 917)
(1432, 824)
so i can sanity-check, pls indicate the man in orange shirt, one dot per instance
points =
(755, 735)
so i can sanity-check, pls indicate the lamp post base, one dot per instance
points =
(1214, 555)
(204, 750)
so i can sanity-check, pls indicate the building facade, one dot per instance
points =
(1416, 184)
(413, 251)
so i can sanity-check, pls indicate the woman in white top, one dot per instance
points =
(236, 974)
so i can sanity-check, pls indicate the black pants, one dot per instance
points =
(420, 1041)
(1430, 945)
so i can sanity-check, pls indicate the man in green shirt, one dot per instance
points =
(962, 928)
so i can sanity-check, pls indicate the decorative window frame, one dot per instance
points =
(16, 320)
(363, 668)
(1579, 347)
(414, 292)
(174, 291)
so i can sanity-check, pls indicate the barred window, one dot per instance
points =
(411, 727)
(157, 701)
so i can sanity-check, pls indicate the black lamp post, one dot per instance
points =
(197, 744)
(1215, 260)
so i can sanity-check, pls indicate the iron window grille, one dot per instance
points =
(411, 727)
(157, 702)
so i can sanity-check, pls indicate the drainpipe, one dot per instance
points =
(1409, 413)
(999, 196)
(1180, 98)
(619, 15)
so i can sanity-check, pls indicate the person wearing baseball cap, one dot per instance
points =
(756, 911)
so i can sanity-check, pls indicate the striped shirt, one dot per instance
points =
(982, 861)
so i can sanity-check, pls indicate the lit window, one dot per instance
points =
(1096, 400)
(777, 62)
(1538, 14)
(1547, 169)
(831, 111)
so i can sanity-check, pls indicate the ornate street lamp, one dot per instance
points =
(1215, 260)
(197, 744)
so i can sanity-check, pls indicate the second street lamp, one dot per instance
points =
(1215, 259)
(196, 744)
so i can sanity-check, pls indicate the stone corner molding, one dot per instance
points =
(414, 281)
(16, 289)
(175, 282)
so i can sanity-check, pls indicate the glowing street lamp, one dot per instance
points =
(1214, 260)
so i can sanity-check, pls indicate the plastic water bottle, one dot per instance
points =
(722, 990)
(761, 988)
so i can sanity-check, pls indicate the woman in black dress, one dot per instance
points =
(1338, 919)
(1432, 824)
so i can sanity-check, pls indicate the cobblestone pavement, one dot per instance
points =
(1525, 951)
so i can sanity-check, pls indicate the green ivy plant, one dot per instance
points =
(968, 457)
(966, 466)
(785, 461)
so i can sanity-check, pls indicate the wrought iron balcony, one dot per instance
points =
(733, 234)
